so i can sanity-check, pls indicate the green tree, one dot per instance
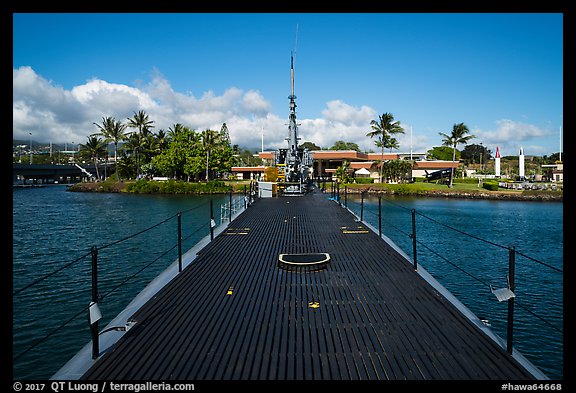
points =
(341, 145)
(113, 131)
(222, 158)
(456, 137)
(161, 140)
(383, 130)
(245, 157)
(443, 153)
(225, 151)
(398, 170)
(183, 155)
(475, 153)
(125, 166)
(143, 124)
(134, 145)
(175, 130)
(209, 142)
(552, 159)
(342, 172)
(224, 134)
(141, 121)
(191, 154)
(93, 149)
(310, 146)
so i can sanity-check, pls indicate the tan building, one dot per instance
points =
(248, 172)
(325, 163)
(554, 172)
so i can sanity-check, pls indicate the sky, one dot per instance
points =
(501, 74)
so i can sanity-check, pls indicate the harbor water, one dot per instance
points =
(464, 244)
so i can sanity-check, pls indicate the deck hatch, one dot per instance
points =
(304, 261)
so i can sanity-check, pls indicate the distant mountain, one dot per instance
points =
(42, 146)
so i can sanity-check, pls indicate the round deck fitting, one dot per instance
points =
(304, 262)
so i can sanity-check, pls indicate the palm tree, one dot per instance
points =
(209, 142)
(140, 121)
(342, 172)
(175, 130)
(135, 143)
(161, 141)
(113, 131)
(94, 148)
(383, 129)
(458, 136)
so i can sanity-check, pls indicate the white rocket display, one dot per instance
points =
(521, 164)
(497, 162)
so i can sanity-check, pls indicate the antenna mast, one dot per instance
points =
(292, 63)
(292, 126)
(560, 154)
(294, 161)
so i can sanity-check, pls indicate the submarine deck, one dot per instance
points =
(236, 313)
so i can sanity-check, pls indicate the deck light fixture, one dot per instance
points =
(94, 313)
(503, 293)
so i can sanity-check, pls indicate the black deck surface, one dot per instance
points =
(235, 314)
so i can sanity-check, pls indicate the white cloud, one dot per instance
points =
(510, 135)
(52, 113)
(55, 114)
(255, 103)
(106, 96)
(511, 130)
(339, 112)
(417, 141)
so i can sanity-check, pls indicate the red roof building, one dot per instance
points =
(325, 163)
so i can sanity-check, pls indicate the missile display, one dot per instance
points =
(497, 162)
(521, 164)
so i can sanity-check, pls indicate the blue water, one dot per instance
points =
(53, 228)
(465, 245)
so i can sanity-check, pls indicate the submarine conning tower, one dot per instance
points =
(294, 160)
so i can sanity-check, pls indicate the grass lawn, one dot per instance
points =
(418, 187)
(470, 190)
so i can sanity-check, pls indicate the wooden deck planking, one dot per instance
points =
(377, 318)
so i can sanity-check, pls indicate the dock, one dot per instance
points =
(251, 307)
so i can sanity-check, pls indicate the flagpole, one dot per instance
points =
(410, 143)
(560, 158)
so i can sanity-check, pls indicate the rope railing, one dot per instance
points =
(88, 254)
(123, 282)
(454, 264)
(40, 341)
(137, 233)
(462, 233)
(377, 216)
(490, 242)
(389, 223)
(49, 275)
(31, 284)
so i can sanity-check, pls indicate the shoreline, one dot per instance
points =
(526, 195)
(490, 195)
